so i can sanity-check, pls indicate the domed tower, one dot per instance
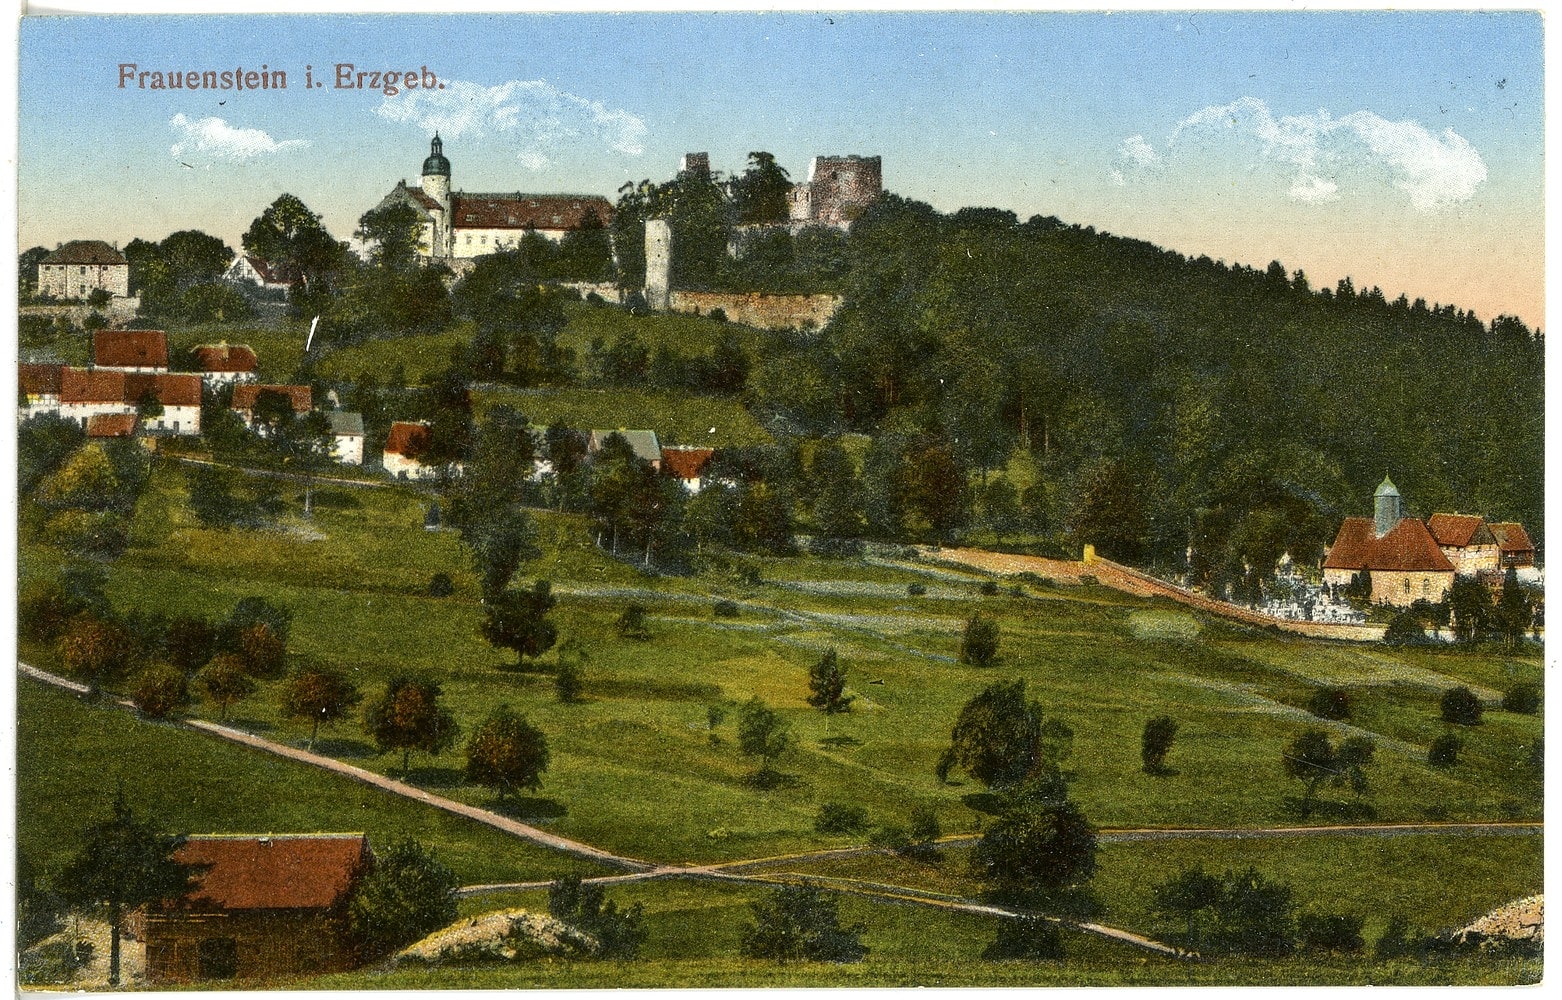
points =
(436, 174)
(1388, 507)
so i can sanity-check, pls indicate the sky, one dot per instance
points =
(1404, 150)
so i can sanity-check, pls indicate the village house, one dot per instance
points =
(140, 352)
(88, 392)
(111, 425)
(347, 436)
(1467, 541)
(1397, 552)
(253, 270)
(39, 389)
(642, 443)
(405, 446)
(81, 267)
(224, 363)
(247, 394)
(263, 907)
(686, 464)
(1514, 545)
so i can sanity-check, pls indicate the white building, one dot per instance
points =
(347, 435)
(81, 267)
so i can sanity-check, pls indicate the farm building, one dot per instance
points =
(139, 352)
(1467, 541)
(220, 364)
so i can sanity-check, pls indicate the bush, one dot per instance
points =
(1404, 629)
(979, 644)
(1444, 752)
(1330, 703)
(925, 829)
(916, 589)
(88, 533)
(799, 923)
(719, 314)
(1331, 932)
(890, 837)
(725, 609)
(1400, 940)
(1461, 707)
(835, 817)
(440, 585)
(1522, 698)
(1025, 938)
(160, 690)
(619, 933)
(989, 588)
(405, 896)
(631, 624)
(568, 682)
(1156, 743)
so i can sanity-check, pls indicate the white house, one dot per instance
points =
(347, 435)
(404, 449)
(81, 267)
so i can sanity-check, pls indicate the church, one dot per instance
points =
(458, 225)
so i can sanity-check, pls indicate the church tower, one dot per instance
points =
(1388, 507)
(436, 185)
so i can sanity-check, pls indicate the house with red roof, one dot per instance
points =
(260, 907)
(1513, 544)
(137, 351)
(247, 394)
(686, 464)
(259, 272)
(112, 425)
(39, 388)
(81, 267)
(405, 446)
(1467, 541)
(1398, 553)
(89, 392)
(225, 363)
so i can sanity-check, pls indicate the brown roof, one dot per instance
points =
(174, 389)
(1409, 546)
(686, 463)
(225, 358)
(130, 349)
(91, 385)
(1511, 537)
(526, 211)
(244, 396)
(41, 380)
(407, 439)
(85, 252)
(111, 425)
(273, 873)
(1457, 530)
(423, 198)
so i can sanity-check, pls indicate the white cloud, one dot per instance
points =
(1321, 153)
(537, 116)
(216, 139)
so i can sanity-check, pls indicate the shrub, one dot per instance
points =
(989, 588)
(1461, 707)
(568, 681)
(440, 585)
(88, 533)
(925, 829)
(890, 837)
(725, 609)
(916, 589)
(1444, 752)
(719, 314)
(1330, 703)
(1330, 932)
(1156, 743)
(836, 817)
(160, 690)
(1404, 629)
(262, 650)
(619, 933)
(797, 923)
(979, 644)
(406, 895)
(631, 624)
(1026, 938)
(42, 611)
(1400, 940)
(1522, 698)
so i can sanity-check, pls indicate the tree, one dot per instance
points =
(762, 733)
(979, 642)
(1522, 698)
(394, 234)
(321, 695)
(408, 717)
(506, 753)
(226, 680)
(1331, 932)
(290, 237)
(1461, 707)
(1001, 740)
(97, 652)
(124, 862)
(1254, 916)
(1191, 896)
(631, 624)
(827, 685)
(799, 923)
(1036, 851)
(159, 691)
(1515, 610)
(1156, 743)
(1311, 758)
(27, 266)
(1444, 751)
(619, 933)
(1469, 602)
(406, 895)
(518, 620)
(1331, 703)
(760, 194)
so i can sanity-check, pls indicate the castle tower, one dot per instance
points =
(436, 184)
(658, 264)
(1388, 507)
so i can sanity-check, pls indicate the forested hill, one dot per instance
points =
(1188, 396)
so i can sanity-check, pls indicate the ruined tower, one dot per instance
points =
(658, 264)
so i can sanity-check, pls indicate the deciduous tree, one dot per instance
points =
(827, 685)
(408, 717)
(321, 695)
(506, 753)
(800, 923)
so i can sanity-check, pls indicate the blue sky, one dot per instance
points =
(1403, 149)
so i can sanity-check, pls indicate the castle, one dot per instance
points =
(458, 225)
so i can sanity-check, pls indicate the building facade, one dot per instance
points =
(81, 267)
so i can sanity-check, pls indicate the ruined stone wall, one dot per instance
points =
(758, 309)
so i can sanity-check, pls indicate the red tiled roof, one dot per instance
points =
(41, 380)
(423, 198)
(1456, 530)
(91, 385)
(407, 439)
(244, 396)
(686, 463)
(174, 389)
(273, 873)
(85, 252)
(526, 211)
(1511, 537)
(130, 349)
(111, 425)
(1409, 546)
(225, 358)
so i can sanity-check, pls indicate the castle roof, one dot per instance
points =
(85, 252)
(130, 349)
(436, 164)
(526, 211)
(1408, 547)
(300, 872)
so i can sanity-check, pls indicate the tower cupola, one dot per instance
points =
(436, 165)
(1388, 507)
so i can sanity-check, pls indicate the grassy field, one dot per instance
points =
(635, 767)
(677, 418)
(681, 332)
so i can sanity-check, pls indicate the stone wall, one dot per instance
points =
(759, 309)
(119, 309)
